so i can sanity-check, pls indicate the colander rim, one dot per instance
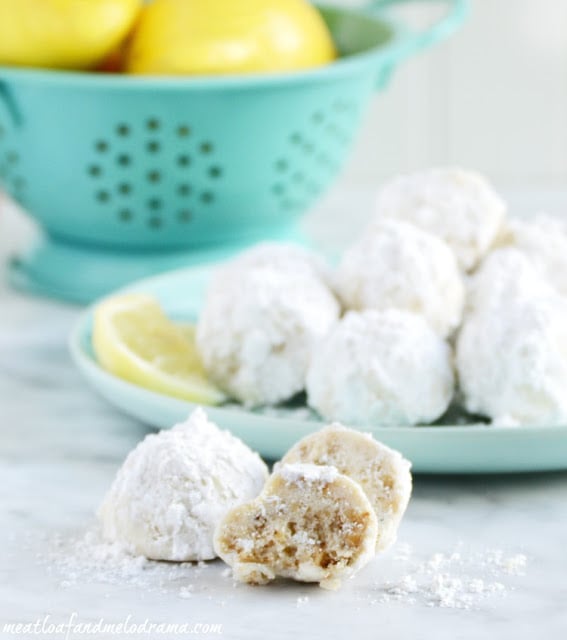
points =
(372, 59)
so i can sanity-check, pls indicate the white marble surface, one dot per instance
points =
(60, 446)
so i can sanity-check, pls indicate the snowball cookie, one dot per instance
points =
(258, 328)
(174, 488)
(506, 275)
(381, 368)
(383, 473)
(459, 206)
(543, 239)
(398, 266)
(310, 523)
(285, 256)
(512, 365)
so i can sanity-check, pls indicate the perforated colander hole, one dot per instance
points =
(282, 165)
(184, 190)
(94, 170)
(153, 146)
(123, 130)
(154, 204)
(12, 158)
(154, 176)
(153, 124)
(206, 148)
(124, 160)
(155, 222)
(215, 172)
(318, 117)
(125, 215)
(207, 197)
(278, 189)
(102, 196)
(184, 216)
(340, 106)
(183, 131)
(101, 146)
(125, 188)
(183, 160)
(296, 138)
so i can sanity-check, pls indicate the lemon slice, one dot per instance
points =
(134, 340)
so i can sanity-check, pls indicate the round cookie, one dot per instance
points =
(458, 206)
(398, 266)
(381, 368)
(257, 330)
(383, 473)
(310, 523)
(543, 240)
(505, 276)
(512, 365)
(174, 488)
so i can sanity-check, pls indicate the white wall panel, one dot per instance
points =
(493, 98)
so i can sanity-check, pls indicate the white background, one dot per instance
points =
(493, 98)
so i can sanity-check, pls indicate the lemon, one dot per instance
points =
(179, 37)
(63, 34)
(134, 340)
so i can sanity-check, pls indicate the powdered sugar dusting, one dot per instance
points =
(299, 473)
(455, 580)
(86, 558)
(459, 579)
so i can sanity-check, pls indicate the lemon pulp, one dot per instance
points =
(134, 340)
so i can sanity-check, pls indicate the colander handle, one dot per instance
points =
(7, 99)
(410, 41)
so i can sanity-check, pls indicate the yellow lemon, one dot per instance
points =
(134, 340)
(177, 37)
(63, 34)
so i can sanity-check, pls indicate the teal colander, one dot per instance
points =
(129, 176)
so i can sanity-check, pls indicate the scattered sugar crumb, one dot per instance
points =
(186, 592)
(87, 558)
(515, 565)
(459, 579)
(455, 580)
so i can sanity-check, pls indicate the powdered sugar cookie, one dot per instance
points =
(543, 240)
(381, 368)
(459, 206)
(512, 364)
(257, 330)
(383, 473)
(507, 275)
(174, 488)
(310, 523)
(398, 266)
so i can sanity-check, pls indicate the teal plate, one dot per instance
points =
(433, 449)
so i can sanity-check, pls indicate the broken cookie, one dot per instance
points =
(310, 523)
(383, 474)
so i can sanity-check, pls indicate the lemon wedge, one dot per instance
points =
(134, 340)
